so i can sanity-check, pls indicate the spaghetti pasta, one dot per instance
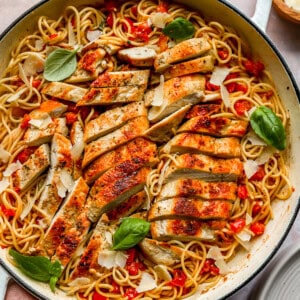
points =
(125, 25)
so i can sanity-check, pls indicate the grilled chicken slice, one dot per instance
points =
(36, 136)
(138, 56)
(128, 207)
(185, 208)
(182, 230)
(64, 91)
(166, 128)
(37, 163)
(61, 169)
(199, 65)
(199, 166)
(204, 109)
(53, 108)
(122, 78)
(113, 119)
(186, 187)
(139, 148)
(134, 128)
(65, 218)
(177, 92)
(183, 51)
(116, 186)
(160, 252)
(226, 147)
(215, 126)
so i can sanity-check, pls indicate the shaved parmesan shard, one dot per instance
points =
(34, 64)
(244, 236)
(225, 95)
(71, 35)
(147, 283)
(11, 168)
(43, 122)
(214, 252)
(266, 155)
(4, 184)
(249, 219)
(4, 155)
(23, 75)
(65, 183)
(17, 95)
(158, 97)
(93, 35)
(39, 44)
(218, 76)
(79, 281)
(109, 259)
(108, 237)
(254, 139)
(250, 167)
(223, 267)
(27, 208)
(120, 259)
(160, 19)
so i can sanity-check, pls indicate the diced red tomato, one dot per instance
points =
(241, 106)
(131, 293)
(162, 7)
(254, 67)
(25, 121)
(131, 255)
(71, 118)
(241, 88)
(134, 267)
(36, 83)
(267, 94)
(97, 296)
(53, 36)
(142, 31)
(210, 267)
(179, 278)
(129, 23)
(116, 288)
(24, 154)
(111, 5)
(257, 228)
(211, 87)
(256, 209)
(7, 211)
(134, 10)
(259, 175)
(223, 54)
(242, 192)
(81, 296)
(237, 225)
(110, 20)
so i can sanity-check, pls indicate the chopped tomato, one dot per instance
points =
(84, 112)
(134, 10)
(131, 293)
(116, 288)
(210, 267)
(142, 31)
(97, 296)
(162, 7)
(81, 296)
(36, 83)
(257, 228)
(242, 192)
(110, 20)
(25, 122)
(179, 278)
(211, 87)
(71, 118)
(130, 23)
(53, 36)
(7, 211)
(134, 267)
(241, 106)
(25, 154)
(267, 94)
(237, 225)
(131, 255)
(256, 209)
(73, 22)
(259, 175)
(254, 67)
(223, 54)
(241, 88)
(111, 5)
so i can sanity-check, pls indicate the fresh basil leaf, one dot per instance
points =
(180, 29)
(60, 64)
(52, 283)
(268, 127)
(55, 269)
(130, 232)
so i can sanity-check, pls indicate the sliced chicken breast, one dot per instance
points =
(113, 119)
(64, 91)
(199, 65)
(134, 128)
(185, 50)
(215, 126)
(122, 78)
(204, 109)
(138, 56)
(37, 163)
(116, 186)
(199, 166)
(226, 147)
(54, 108)
(186, 187)
(138, 148)
(185, 208)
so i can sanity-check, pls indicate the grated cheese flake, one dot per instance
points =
(11, 168)
(79, 281)
(93, 35)
(147, 283)
(250, 167)
(160, 19)
(4, 184)
(4, 155)
(43, 122)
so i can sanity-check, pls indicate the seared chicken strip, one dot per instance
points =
(204, 109)
(138, 56)
(185, 208)
(116, 186)
(64, 91)
(113, 119)
(199, 65)
(134, 128)
(177, 92)
(139, 148)
(122, 78)
(215, 126)
(65, 218)
(186, 187)
(199, 166)
(54, 108)
(160, 252)
(37, 163)
(226, 147)
(185, 50)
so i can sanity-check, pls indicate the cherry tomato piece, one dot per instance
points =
(237, 225)
(257, 228)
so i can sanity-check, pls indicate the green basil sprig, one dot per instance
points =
(130, 233)
(39, 268)
(180, 29)
(60, 64)
(268, 127)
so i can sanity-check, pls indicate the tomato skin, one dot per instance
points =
(179, 278)
(237, 225)
(131, 293)
(97, 296)
(241, 106)
(259, 175)
(210, 267)
(25, 121)
(257, 228)
(256, 209)
(134, 10)
(242, 192)
(133, 268)
(36, 83)
(116, 288)
(6, 211)
(211, 87)
(223, 54)
(254, 68)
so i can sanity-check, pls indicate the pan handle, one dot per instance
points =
(4, 279)
(262, 13)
